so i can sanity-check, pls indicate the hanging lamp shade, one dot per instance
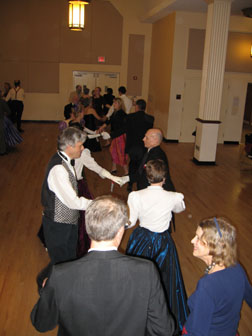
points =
(77, 14)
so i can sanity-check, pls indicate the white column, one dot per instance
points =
(212, 80)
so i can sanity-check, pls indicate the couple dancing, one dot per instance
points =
(62, 204)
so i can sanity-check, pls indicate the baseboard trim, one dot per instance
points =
(41, 121)
(204, 163)
(231, 142)
(170, 140)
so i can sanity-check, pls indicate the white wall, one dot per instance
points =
(232, 116)
(51, 106)
(42, 106)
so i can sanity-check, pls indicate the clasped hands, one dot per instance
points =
(116, 179)
(120, 180)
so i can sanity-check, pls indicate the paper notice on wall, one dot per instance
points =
(235, 106)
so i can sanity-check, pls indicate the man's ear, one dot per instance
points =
(119, 235)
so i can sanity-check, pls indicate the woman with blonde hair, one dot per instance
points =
(216, 304)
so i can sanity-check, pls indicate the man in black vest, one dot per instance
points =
(105, 292)
(60, 199)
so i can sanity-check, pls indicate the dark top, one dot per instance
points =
(118, 123)
(92, 144)
(216, 304)
(90, 121)
(68, 110)
(140, 176)
(108, 99)
(137, 125)
(104, 294)
(78, 125)
(98, 104)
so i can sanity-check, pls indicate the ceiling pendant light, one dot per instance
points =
(77, 14)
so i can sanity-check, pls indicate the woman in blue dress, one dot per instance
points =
(9, 135)
(153, 207)
(216, 304)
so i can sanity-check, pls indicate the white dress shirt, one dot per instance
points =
(59, 183)
(103, 249)
(127, 103)
(153, 207)
(15, 94)
(88, 161)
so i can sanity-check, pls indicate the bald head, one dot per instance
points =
(153, 137)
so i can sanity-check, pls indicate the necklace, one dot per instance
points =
(208, 268)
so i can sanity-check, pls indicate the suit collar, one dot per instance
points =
(153, 148)
(103, 255)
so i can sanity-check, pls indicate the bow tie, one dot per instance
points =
(72, 162)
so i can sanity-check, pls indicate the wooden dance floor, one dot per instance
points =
(224, 189)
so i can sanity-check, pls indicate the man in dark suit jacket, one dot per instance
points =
(105, 293)
(137, 125)
(152, 141)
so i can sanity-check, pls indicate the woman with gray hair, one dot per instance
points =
(216, 304)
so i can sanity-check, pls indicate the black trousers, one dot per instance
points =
(17, 108)
(136, 154)
(61, 240)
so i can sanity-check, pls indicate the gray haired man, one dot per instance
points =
(60, 199)
(105, 292)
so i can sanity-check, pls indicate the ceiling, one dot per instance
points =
(201, 6)
(167, 7)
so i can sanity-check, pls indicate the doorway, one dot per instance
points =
(93, 79)
(247, 119)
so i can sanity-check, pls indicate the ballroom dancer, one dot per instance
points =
(16, 100)
(105, 292)
(152, 140)
(137, 124)
(9, 135)
(215, 305)
(153, 207)
(60, 199)
(85, 160)
(118, 136)
(91, 118)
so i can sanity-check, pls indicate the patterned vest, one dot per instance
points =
(53, 207)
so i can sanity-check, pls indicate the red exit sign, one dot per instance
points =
(101, 59)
